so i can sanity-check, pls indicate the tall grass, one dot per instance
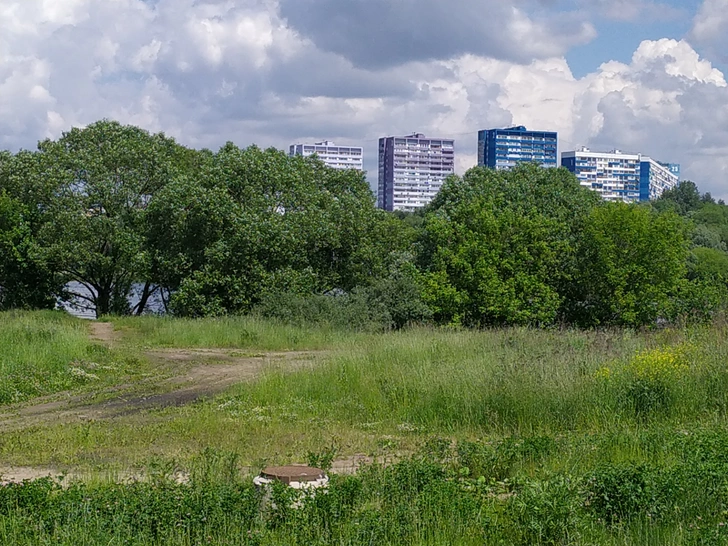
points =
(511, 436)
(46, 352)
(441, 495)
(234, 332)
(383, 394)
(515, 381)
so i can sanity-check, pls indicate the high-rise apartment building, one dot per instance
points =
(656, 177)
(505, 148)
(619, 176)
(337, 157)
(412, 170)
(614, 175)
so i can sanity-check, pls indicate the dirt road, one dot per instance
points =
(186, 375)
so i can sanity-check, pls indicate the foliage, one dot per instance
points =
(646, 384)
(704, 236)
(110, 212)
(391, 302)
(708, 264)
(420, 499)
(25, 280)
(343, 311)
(714, 217)
(101, 179)
(257, 223)
(617, 492)
(682, 199)
(547, 511)
(632, 260)
(499, 246)
(524, 442)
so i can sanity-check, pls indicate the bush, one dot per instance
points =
(645, 385)
(632, 259)
(346, 311)
(391, 302)
(618, 492)
(498, 247)
(547, 511)
(496, 461)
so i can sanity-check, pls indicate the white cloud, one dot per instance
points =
(710, 27)
(667, 102)
(216, 70)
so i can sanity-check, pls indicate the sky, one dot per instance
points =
(645, 76)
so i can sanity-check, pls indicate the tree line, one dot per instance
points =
(113, 209)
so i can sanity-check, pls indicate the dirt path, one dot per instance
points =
(191, 375)
(185, 376)
(103, 332)
(17, 474)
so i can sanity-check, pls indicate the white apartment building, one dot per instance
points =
(657, 177)
(412, 170)
(619, 176)
(614, 175)
(336, 157)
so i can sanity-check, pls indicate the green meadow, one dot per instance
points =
(502, 436)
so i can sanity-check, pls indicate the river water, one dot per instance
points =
(86, 311)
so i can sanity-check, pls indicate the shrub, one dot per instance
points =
(645, 384)
(345, 311)
(632, 259)
(547, 511)
(496, 461)
(618, 492)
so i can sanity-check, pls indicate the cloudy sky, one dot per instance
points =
(639, 75)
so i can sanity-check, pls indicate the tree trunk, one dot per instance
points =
(103, 302)
(146, 293)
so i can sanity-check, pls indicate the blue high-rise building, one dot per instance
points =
(656, 177)
(620, 176)
(505, 148)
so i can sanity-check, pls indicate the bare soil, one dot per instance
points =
(103, 332)
(187, 376)
(183, 376)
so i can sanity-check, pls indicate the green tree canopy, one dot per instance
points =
(682, 199)
(102, 178)
(25, 280)
(499, 247)
(257, 221)
(632, 259)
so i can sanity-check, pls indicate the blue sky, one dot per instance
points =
(618, 40)
(640, 75)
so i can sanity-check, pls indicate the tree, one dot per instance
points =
(103, 177)
(257, 221)
(708, 264)
(25, 280)
(682, 199)
(707, 237)
(714, 217)
(632, 259)
(499, 246)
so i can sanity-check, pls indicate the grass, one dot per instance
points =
(227, 333)
(511, 436)
(47, 352)
(438, 496)
(379, 394)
